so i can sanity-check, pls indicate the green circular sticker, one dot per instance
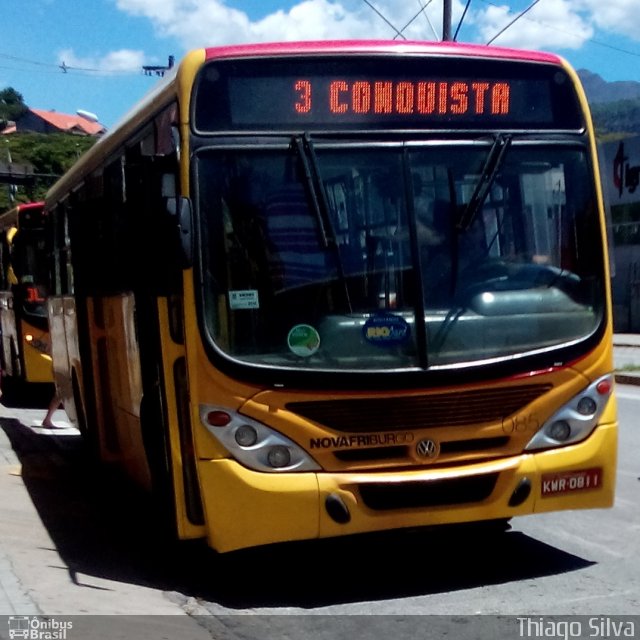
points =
(303, 340)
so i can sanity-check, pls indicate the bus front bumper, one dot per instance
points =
(246, 508)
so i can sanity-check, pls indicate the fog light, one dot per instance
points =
(279, 457)
(246, 435)
(587, 406)
(559, 430)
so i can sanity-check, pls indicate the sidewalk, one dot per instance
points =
(27, 549)
(626, 340)
(626, 357)
(41, 573)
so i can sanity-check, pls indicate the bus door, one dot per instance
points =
(9, 354)
(106, 332)
(62, 329)
(63, 325)
(9, 363)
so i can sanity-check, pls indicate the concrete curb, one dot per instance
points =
(628, 378)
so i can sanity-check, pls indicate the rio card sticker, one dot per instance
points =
(303, 340)
(386, 330)
(244, 299)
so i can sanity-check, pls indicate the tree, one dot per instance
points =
(12, 106)
(50, 155)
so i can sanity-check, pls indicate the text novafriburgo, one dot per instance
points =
(595, 627)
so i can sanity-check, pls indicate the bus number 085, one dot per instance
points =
(520, 424)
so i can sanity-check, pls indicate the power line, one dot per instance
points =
(26, 60)
(420, 12)
(398, 33)
(464, 14)
(48, 67)
(555, 28)
(435, 33)
(533, 4)
(493, 4)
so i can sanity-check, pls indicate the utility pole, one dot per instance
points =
(446, 20)
(157, 70)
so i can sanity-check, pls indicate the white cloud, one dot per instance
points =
(209, 22)
(616, 16)
(191, 22)
(551, 24)
(312, 19)
(557, 24)
(122, 61)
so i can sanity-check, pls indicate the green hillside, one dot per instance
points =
(616, 119)
(49, 154)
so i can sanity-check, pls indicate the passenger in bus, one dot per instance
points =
(296, 254)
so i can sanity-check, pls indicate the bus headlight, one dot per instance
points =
(253, 444)
(279, 457)
(246, 435)
(560, 430)
(576, 419)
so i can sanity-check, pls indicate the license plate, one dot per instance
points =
(554, 484)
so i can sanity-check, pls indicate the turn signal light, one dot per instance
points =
(218, 418)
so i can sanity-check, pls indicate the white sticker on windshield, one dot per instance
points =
(244, 299)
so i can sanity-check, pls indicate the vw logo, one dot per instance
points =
(427, 449)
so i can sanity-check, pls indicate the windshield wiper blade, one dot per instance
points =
(490, 170)
(311, 190)
(307, 154)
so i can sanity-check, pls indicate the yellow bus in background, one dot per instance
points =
(307, 290)
(25, 352)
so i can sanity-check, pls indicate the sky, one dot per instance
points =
(66, 55)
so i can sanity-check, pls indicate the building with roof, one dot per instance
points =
(41, 121)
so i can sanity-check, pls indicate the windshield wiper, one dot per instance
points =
(319, 209)
(320, 203)
(491, 167)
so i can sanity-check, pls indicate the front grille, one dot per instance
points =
(435, 493)
(372, 454)
(418, 412)
(476, 444)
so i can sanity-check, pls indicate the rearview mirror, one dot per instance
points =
(179, 208)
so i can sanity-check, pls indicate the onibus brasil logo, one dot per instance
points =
(38, 628)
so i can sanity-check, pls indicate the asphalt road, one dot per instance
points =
(75, 540)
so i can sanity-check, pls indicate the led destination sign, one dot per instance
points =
(364, 93)
(388, 97)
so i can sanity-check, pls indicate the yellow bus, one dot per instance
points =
(25, 351)
(307, 290)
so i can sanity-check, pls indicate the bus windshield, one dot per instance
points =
(30, 271)
(397, 255)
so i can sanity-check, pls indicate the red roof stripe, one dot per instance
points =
(378, 46)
